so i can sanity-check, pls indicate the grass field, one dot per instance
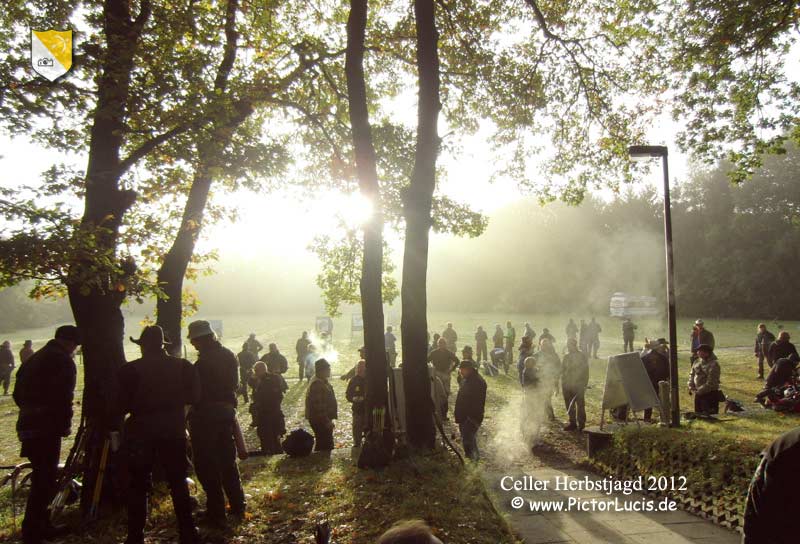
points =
(291, 496)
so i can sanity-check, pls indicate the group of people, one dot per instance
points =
(8, 363)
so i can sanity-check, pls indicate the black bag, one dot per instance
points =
(299, 443)
(721, 396)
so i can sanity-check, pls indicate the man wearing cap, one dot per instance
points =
(444, 362)
(6, 365)
(764, 340)
(321, 407)
(700, 335)
(574, 379)
(470, 403)
(26, 351)
(301, 347)
(43, 391)
(212, 422)
(154, 390)
(704, 381)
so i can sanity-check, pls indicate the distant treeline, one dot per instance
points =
(17, 311)
(736, 250)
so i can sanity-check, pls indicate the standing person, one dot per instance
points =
(772, 498)
(435, 343)
(390, 340)
(628, 334)
(781, 348)
(574, 379)
(321, 407)
(246, 361)
(510, 337)
(704, 381)
(470, 403)
(26, 351)
(583, 337)
(547, 336)
(274, 356)
(525, 351)
(529, 331)
(268, 392)
(451, 336)
(301, 347)
(6, 365)
(498, 336)
(593, 338)
(655, 358)
(154, 390)
(212, 422)
(253, 345)
(764, 340)
(481, 338)
(43, 391)
(356, 395)
(444, 362)
(571, 330)
(549, 367)
(700, 336)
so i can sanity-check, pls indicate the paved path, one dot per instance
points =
(595, 527)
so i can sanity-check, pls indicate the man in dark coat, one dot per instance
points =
(246, 361)
(628, 334)
(764, 340)
(253, 345)
(274, 356)
(155, 390)
(773, 498)
(470, 403)
(301, 347)
(212, 422)
(26, 351)
(593, 331)
(6, 365)
(574, 379)
(481, 339)
(356, 395)
(655, 358)
(781, 348)
(43, 391)
(267, 414)
(444, 362)
(700, 336)
(321, 406)
(451, 336)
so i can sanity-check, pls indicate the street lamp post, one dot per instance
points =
(660, 151)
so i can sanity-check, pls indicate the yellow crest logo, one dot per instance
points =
(51, 52)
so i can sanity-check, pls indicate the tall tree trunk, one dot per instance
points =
(169, 309)
(95, 297)
(371, 272)
(417, 204)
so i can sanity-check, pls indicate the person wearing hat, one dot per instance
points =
(154, 390)
(321, 407)
(43, 390)
(574, 379)
(26, 351)
(700, 335)
(356, 395)
(470, 403)
(655, 358)
(466, 355)
(704, 381)
(212, 421)
(7, 365)
(764, 340)
(444, 362)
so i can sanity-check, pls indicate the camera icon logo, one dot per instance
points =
(45, 62)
